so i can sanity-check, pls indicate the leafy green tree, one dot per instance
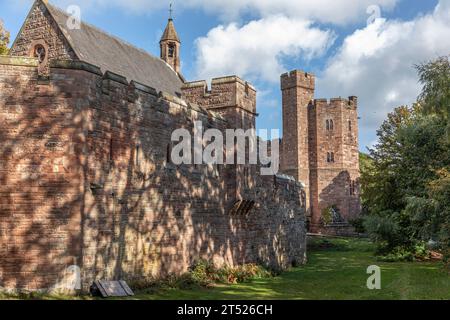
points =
(406, 187)
(435, 96)
(4, 39)
(431, 212)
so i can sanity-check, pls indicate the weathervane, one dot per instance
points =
(170, 11)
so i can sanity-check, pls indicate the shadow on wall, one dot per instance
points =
(340, 194)
(85, 181)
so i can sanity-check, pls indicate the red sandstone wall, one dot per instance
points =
(306, 142)
(331, 180)
(297, 94)
(85, 181)
(40, 26)
(40, 199)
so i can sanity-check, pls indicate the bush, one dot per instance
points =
(358, 225)
(383, 231)
(203, 274)
(415, 252)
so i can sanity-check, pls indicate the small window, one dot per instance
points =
(137, 156)
(352, 188)
(40, 53)
(171, 50)
(111, 149)
(330, 157)
(349, 125)
(168, 153)
(329, 124)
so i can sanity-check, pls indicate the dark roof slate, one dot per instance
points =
(113, 54)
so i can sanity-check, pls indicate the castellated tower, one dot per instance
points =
(320, 149)
(298, 93)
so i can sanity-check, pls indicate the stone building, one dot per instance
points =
(86, 178)
(320, 149)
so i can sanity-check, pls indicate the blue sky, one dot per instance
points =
(260, 39)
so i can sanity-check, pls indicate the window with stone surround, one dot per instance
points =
(40, 52)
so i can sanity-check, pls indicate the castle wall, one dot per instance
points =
(40, 169)
(86, 181)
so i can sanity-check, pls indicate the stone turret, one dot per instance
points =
(170, 46)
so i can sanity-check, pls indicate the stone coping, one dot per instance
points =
(19, 61)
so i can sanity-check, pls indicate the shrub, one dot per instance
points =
(203, 274)
(358, 225)
(383, 231)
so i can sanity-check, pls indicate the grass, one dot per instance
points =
(336, 269)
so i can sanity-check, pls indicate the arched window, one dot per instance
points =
(328, 157)
(332, 156)
(327, 124)
(349, 125)
(331, 125)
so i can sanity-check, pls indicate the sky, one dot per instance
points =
(364, 48)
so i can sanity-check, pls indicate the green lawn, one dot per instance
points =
(336, 272)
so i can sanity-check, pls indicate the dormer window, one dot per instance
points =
(171, 50)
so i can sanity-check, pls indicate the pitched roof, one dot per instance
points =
(113, 54)
(170, 33)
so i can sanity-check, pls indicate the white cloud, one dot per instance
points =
(332, 11)
(377, 64)
(255, 49)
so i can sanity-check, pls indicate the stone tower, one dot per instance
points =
(320, 149)
(298, 93)
(170, 46)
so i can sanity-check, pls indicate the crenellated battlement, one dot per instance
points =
(225, 92)
(298, 78)
(351, 102)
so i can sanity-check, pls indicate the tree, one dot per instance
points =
(435, 96)
(4, 39)
(406, 187)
